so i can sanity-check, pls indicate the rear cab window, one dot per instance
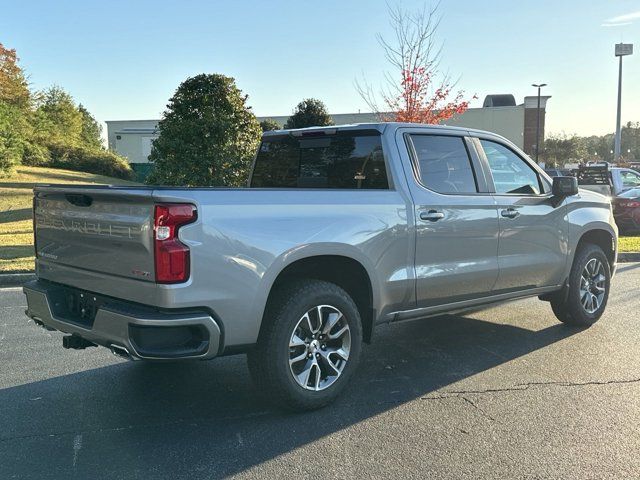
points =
(343, 160)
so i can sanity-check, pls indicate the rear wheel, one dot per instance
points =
(588, 289)
(309, 345)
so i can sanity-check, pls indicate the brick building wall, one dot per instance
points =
(531, 121)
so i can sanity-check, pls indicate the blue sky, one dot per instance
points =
(124, 59)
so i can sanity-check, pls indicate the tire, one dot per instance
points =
(583, 304)
(297, 309)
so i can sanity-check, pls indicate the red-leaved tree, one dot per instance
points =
(417, 92)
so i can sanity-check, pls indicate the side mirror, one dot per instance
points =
(564, 186)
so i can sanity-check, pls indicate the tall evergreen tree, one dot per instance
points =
(208, 135)
(91, 133)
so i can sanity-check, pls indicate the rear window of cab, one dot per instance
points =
(344, 160)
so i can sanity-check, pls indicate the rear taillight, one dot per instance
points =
(629, 204)
(172, 256)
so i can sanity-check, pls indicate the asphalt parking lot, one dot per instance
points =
(504, 393)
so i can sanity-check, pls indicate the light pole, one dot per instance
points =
(538, 86)
(622, 49)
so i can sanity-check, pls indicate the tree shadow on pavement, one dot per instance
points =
(206, 419)
(623, 267)
(13, 252)
(16, 215)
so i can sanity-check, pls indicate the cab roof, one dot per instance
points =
(379, 126)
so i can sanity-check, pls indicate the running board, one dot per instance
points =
(464, 305)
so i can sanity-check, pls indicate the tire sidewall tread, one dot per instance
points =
(271, 371)
(570, 309)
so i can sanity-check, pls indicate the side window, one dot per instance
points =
(630, 179)
(444, 164)
(511, 174)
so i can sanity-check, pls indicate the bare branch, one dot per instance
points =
(415, 89)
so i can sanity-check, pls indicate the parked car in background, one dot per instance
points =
(626, 210)
(342, 228)
(607, 180)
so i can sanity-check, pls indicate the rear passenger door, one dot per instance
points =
(533, 228)
(456, 219)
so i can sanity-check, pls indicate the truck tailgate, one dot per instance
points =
(108, 230)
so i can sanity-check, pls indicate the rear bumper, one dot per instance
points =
(129, 329)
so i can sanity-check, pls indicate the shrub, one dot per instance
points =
(9, 157)
(35, 155)
(97, 161)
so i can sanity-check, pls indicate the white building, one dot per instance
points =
(500, 114)
(132, 139)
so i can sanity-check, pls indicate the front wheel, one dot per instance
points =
(309, 345)
(588, 289)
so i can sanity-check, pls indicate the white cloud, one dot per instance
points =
(620, 20)
(615, 24)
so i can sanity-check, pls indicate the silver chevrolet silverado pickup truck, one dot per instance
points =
(341, 229)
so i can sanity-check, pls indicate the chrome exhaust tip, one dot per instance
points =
(119, 351)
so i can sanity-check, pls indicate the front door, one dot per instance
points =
(456, 220)
(533, 229)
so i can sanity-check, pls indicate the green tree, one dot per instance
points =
(208, 135)
(58, 119)
(48, 128)
(599, 148)
(309, 113)
(269, 124)
(560, 149)
(12, 137)
(15, 110)
(630, 144)
(91, 133)
(14, 88)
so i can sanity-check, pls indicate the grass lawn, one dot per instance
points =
(629, 244)
(16, 232)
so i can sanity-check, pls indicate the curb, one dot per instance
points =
(627, 257)
(15, 279)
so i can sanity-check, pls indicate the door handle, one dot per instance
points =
(510, 213)
(431, 215)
